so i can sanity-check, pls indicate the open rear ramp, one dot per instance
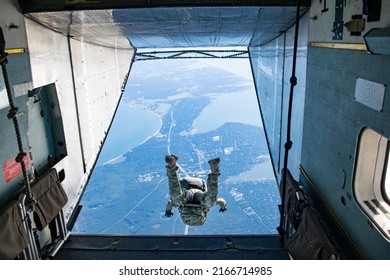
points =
(120, 247)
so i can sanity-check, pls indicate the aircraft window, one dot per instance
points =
(371, 182)
(386, 185)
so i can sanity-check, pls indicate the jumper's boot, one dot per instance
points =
(171, 162)
(214, 165)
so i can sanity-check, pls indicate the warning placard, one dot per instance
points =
(13, 169)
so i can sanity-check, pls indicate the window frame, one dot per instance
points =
(386, 177)
(369, 182)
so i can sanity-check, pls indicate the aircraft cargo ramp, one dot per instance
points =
(121, 247)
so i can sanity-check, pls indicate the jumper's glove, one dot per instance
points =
(222, 209)
(168, 214)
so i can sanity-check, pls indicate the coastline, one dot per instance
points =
(133, 110)
(121, 158)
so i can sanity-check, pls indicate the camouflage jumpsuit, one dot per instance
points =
(180, 196)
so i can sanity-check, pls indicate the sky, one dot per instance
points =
(239, 66)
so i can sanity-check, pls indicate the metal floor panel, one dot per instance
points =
(120, 247)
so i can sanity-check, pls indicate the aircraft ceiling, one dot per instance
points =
(168, 27)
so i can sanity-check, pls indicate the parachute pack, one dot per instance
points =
(193, 183)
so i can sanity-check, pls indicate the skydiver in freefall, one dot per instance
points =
(191, 195)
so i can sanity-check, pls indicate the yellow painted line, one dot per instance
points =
(15, 50)
(344, 46)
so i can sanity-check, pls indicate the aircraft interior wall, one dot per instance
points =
(335, 117)
(271, 66)
(331, 134)
(61, 84)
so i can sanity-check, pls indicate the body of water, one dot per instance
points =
(260, 171)
(130, 128)
(240, 107)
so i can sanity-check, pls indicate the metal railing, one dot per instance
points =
(186, 54)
